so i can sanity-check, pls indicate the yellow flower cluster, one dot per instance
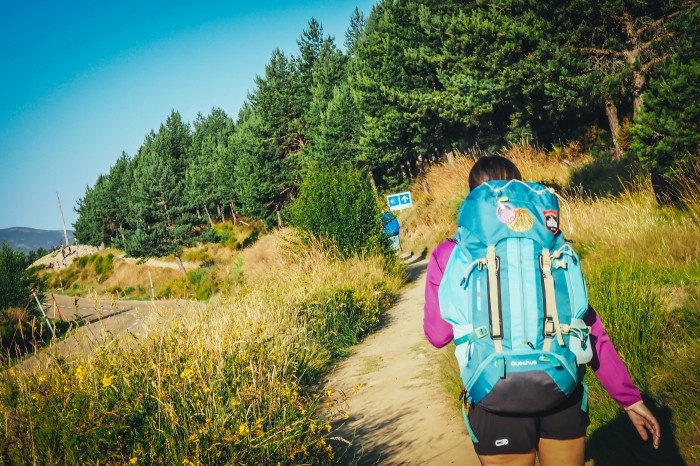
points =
(107, 380)
(80, 373)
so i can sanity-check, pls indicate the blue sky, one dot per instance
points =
(83, 81)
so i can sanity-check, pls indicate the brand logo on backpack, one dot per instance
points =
(551, 220)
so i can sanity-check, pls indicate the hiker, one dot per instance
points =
(556, 435)
(391, 229)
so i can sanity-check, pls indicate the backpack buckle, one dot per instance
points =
(549, 329)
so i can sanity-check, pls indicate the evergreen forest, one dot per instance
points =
(410, 85)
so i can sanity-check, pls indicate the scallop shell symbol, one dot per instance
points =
(523, 221)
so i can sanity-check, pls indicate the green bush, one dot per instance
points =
(16, 281)
(338, 207)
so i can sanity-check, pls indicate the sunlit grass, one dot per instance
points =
(226, 383)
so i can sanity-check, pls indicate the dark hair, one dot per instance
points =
(493, 167)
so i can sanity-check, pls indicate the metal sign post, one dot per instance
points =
(48, 322)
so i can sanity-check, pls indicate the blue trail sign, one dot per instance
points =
(399, 201)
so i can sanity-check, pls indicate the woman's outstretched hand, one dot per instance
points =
(644, 422)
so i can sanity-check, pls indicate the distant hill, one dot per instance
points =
(30, 239)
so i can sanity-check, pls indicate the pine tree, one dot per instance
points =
(163, 221)
(207, 180)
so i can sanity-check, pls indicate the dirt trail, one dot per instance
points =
(398, 411)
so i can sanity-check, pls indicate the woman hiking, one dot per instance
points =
(555, 436)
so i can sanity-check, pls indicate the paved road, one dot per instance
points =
(104, 321)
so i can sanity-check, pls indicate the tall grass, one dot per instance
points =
(227, 383)
(630, 301)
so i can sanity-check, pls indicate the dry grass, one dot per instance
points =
(433, 219)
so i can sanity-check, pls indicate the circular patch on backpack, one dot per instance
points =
(523, 221)
(505, 213)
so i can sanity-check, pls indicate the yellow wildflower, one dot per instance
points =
(133, 460)
(329, 393)
(107, 380)
(243, 429)
(187, 374)
(80, 372)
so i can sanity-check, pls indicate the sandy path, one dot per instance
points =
(399, 414)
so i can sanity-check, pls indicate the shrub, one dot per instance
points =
(16, 281)
(338, 206)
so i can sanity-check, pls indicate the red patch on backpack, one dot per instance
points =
(551, 220)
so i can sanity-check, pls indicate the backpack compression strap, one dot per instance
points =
(493, 265)
(550, 304)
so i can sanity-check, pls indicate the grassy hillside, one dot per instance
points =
(228, 383)
(642, 265)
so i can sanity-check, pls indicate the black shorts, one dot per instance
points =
(502, 434)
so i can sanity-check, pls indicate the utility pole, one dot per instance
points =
(65, 232)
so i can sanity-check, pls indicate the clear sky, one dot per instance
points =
(82, 81)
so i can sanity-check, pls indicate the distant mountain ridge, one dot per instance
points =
(30, 239)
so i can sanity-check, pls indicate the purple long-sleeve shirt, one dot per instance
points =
(606, 363)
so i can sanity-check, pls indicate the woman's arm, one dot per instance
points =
(607, 365)
(437, 331)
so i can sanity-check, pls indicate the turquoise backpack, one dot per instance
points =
(515, 296)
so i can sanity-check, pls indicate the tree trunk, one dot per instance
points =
(211, 221)
(180, 265)
(233, 213)
(614, 122)
(371, 181)
(279, 219)
(450, 157)
(221, 212)
(420, 166)
(404, 174)
(639, 81)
